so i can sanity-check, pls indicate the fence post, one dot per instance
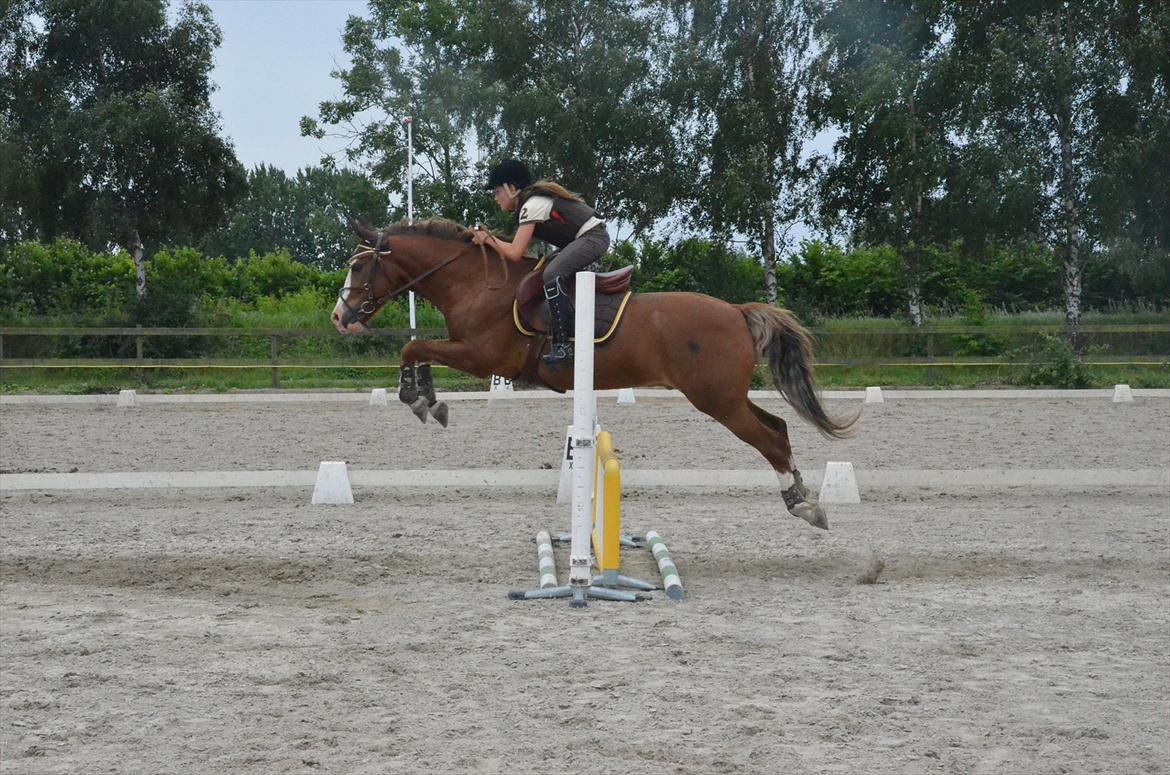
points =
(138, 372)
(930, 356)
(275, 350)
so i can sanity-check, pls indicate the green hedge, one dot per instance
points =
(64, 283)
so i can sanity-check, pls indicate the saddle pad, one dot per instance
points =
(607, 314)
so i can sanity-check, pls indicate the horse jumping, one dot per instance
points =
(699, 345)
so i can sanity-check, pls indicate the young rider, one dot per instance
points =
(549, 212)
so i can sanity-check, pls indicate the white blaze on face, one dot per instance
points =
(339, 307)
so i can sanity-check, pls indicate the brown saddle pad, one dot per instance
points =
(531, 308)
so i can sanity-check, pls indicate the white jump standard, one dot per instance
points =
(595, 488)
(580, 584)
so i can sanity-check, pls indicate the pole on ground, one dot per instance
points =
(671, 582)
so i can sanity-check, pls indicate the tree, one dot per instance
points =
(575, 89)
(107, 119)
(879, 85)
(740, 68)
(1130, 194)
(304, 215)
(1038, 75)
(567, 86)
(406, 62)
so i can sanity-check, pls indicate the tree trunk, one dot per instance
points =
(1067, 185)
(914, 291)
(769, 250)
(1071, 236)
(139, 266)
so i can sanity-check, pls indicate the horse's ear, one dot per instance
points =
(368, 235)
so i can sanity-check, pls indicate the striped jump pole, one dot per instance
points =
(671, 581)
(544, 555)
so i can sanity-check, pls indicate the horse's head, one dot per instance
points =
(370, 283)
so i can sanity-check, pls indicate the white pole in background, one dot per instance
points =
(410, 196)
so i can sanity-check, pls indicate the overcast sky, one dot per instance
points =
(273, 68)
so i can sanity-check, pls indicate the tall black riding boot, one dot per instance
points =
(560, 352)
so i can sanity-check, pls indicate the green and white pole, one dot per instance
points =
(544, 554)
(671, 582)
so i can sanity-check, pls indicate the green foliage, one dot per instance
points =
(822, 279)
(273, 275)
(176, 281)
(974, 313)
(1054, 363)
(1016, 277)
(699, 266)
(741, 72)
(65, 279)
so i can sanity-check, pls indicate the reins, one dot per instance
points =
(504, 261)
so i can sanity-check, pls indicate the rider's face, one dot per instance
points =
(506, 197)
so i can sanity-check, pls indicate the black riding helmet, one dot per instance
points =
(511, 171)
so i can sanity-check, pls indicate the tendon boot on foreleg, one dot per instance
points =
(427, 399)
(408, 391)
(801, 503)
(560, 352)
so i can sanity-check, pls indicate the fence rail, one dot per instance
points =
(838, 347)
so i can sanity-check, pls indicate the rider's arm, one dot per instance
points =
(514, 250)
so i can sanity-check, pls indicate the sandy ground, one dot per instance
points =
(187, 631)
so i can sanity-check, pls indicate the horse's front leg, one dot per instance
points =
(417, 386)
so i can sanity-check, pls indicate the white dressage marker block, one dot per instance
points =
(501, 387)
(332, 485)
(839, 484)
(1122, 394)
(626, 396)
(378, 397)
(129, 398)
(873, 395)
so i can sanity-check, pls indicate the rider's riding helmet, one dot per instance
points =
(511, 171)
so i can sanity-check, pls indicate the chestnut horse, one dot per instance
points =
(704, 347)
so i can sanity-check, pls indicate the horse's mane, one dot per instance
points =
(440, 228)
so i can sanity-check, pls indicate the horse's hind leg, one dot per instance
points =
(797, 498)
(769, 435)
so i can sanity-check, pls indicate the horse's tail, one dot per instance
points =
(788, 348)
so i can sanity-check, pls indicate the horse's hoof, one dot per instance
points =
(811, 512)
(419, 407)
(439, 412)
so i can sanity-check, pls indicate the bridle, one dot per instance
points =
(371, 304)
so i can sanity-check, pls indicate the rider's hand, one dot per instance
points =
(479, 236)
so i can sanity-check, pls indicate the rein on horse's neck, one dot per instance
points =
(452, 286)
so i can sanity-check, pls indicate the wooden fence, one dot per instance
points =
(928, 348)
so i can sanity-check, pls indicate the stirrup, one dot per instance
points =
(558, 353)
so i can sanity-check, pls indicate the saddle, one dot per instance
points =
(530, 310)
